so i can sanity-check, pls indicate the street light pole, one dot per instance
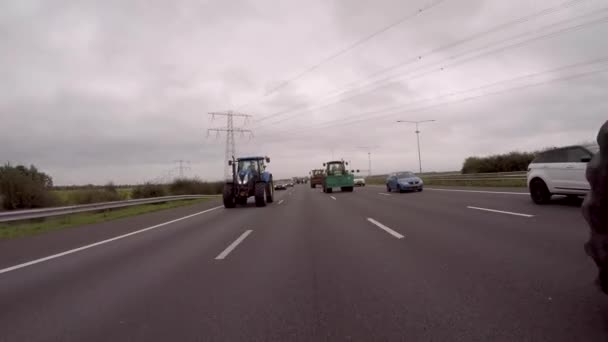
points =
(418, 144)
(369, 157)
(417, 138)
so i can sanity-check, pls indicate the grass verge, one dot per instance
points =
(35, 227)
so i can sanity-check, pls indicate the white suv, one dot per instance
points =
(359, 181)
(560, 171)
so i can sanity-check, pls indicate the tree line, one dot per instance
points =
(24, 187)
(508, 162)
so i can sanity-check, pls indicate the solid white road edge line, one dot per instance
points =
(332, 197)
(501, 212)
(385, 228)
(481, 191)
(55, 256)
(233, 245)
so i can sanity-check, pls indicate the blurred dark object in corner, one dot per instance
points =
(595, 208)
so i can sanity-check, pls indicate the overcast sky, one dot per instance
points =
(98, 91)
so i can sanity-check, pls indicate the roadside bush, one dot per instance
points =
(91, 195)
(185, 186)
(509, 162)
(148, 190)
(111, 188)
(22, 188)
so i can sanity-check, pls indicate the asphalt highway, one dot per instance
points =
(440, 265)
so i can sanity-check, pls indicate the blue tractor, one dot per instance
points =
(249, 178)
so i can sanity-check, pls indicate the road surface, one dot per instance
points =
(363, 266)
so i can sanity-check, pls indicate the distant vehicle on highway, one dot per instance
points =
(249, 179)
(280, 186)
(404, 181)
(360, 181)
(560, 171)
(316, 177)
(338, 176)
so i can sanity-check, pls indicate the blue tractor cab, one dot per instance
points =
(249, 179)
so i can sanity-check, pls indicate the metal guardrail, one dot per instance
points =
(476, 179)
(479, 175)
(16, 215)
(453, 176)
(496, 176)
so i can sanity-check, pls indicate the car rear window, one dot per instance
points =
(540, 158)
(576, 154)
(551, 156)
(593, 148)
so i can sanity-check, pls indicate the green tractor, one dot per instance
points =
(337, 176)
(249, 179)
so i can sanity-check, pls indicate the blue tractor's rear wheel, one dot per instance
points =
(270, 192)
(228, 196)
(260, 194)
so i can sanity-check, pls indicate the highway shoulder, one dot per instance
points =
(20, 250)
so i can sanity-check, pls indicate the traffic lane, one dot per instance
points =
(440, 287)
(68, 297)
(19, 250)
(518, 201)
(562, 219)
(356, 279)
(401, 289)
(558, 238)
(311, 270)
(559, 208)
(262, 291)
(510, 290)
(53, 297)
(350, 281)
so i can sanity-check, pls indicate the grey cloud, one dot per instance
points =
(116, 90)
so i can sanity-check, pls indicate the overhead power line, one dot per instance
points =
(452, 94)
(439, 67)
(395, 111)
(472, 37)
(345, 50)
(378, 83)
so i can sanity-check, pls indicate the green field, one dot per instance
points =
(34, 227)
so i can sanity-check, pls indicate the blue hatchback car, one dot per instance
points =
(404, 181)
